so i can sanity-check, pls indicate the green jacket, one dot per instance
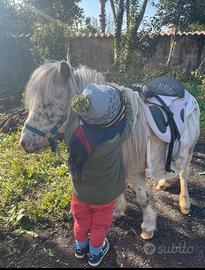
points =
(102, 178)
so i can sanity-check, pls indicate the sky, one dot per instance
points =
(92, 8)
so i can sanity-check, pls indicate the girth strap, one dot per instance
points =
(175, 135)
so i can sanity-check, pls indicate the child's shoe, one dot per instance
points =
(80, 253)
(95, 260)
(81, 250)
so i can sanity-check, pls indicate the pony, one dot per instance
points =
(47, 99)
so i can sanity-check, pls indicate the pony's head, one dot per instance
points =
(47, 98)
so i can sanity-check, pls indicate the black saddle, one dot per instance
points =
(163, 86)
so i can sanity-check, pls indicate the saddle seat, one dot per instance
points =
(162, 86)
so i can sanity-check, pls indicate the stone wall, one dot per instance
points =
(189, 52)
(97, 51)
(94, 51)
(17, 60)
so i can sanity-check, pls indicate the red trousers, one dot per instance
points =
(91, 221)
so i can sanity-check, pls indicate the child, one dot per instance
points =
(96, 166)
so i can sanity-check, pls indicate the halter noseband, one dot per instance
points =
(49, 135)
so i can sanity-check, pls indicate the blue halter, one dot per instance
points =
(53, 131)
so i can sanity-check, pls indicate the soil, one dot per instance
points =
(179, 241)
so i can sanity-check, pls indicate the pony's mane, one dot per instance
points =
(40, 88)
(83, 76)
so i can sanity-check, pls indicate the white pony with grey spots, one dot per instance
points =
(47, 99)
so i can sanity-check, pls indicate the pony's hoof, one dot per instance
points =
(118, 213)
(160, 187)
(147, 235)
(184, 204)
(185, 211)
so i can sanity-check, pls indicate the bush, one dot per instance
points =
(197, 89)
(50, 40)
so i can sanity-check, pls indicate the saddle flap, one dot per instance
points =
(157, 118)
(157, 121)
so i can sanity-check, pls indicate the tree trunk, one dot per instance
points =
(118, 18)
(172, 44)
(133, 33)
(128, 13)
(103, 15)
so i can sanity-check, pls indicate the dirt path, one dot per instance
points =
(179, 241)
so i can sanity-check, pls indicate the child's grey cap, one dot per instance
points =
(105, 104)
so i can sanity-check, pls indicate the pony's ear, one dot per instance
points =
(64, 70)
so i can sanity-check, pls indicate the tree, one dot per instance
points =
(103, 15)
(65, 11)
(52, 29)
(50, 41)
(118, 14)
(182, 14)
(134, 19)
(127, 41)
(91, 25)
(15, 50)
(14, 19)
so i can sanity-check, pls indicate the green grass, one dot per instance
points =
(34, 187)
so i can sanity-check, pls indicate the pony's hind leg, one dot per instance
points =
(149, 216)
(166, 183)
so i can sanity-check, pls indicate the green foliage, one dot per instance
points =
(34, 187)
(127, 41)
(91, 25)
(29, 35)
(15, 24)
(51, 40)
(14, 20)
(181, 13)
(197, 88)
(65, 11)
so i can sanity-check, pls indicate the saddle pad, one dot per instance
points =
(157, 119)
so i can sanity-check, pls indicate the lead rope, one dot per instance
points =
(58, 151)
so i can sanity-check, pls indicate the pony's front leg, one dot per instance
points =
(184, 199)
(120, 206)
(149, 216)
